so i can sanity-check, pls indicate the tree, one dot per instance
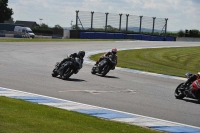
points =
(57, 27)
(10, 21)
(194, 33)
(44, 26)
(181, 33)
(5, 12)
(74, 27)
(110, 28)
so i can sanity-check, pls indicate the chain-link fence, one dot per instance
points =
(97, 21)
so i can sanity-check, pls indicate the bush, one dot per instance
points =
(181, 33)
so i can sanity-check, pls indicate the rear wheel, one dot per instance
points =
(178, 93)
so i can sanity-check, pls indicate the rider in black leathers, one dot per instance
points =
(79, 55)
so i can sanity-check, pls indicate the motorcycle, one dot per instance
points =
(104, 66)
(67, 68)
(185, 91)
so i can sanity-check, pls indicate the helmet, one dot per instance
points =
(81, 53)
(198, 74)
(114, 51)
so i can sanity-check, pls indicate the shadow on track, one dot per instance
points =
(191, 101)
(108, 76)
(72, 79)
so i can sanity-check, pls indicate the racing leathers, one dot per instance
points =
(195, 85)
(77, 66)
(107, 54)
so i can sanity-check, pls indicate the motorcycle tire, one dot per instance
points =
(67, 73)
(54, 73)
(105, 71)
(178, 94)
(198, 97)
(93, 71)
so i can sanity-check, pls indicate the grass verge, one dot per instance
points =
(170, 61)
(49, 40)
(17, 116)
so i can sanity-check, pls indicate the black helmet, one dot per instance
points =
(81, 53)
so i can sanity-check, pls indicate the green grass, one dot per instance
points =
(17, 116)
(170, 61)
(49, 40)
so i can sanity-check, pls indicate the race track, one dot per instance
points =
(27, 67)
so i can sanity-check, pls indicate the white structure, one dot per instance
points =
(66, 33)
(26, 30)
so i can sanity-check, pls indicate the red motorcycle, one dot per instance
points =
(186, 91)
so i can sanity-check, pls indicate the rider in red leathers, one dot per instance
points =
(195, 85)
(113, 52)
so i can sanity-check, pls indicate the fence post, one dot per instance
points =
(92, 13)
(77, 19)
(127, 22)
(140, 24)
(153, 25)
(106, 21)
(166, 19)
(120, 21)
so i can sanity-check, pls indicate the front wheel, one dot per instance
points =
(67, 73)
(198, 97)
(54, 73)
(105, 70)
(93, 71)
(178, 93)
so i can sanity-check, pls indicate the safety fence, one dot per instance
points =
(97, 21)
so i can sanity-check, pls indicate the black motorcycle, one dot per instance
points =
(104, 66)
(67, 68)
(185, 91)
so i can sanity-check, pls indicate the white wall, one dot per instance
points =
(188, 39)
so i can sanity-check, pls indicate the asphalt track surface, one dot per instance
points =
(28, 66)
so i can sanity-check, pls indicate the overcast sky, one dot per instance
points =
(182, 14)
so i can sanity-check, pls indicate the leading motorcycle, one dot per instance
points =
(186, 91)
(104, 66)
(67, 68)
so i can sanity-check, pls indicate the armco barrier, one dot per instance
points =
(104, 35)
(82, 35)
(146, 37)
(2, 35)
(100, 35)
(129, 36)
(89, 35)
(137, 36)
(119, 35)
(170, 38)
(157, 38)
(110, 36)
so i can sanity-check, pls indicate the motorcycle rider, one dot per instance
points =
(195, 85)
(79, 55)
(112, 52)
